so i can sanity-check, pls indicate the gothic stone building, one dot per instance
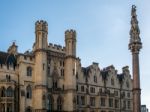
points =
(50, 78)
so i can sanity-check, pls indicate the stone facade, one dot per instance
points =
(51, 78)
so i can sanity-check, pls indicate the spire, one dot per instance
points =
(135, 41)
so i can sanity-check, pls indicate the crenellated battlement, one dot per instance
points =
(4, 67)
(70, 42)
(26, 58)
(70, 33)
(56, 47)
(41, 25)
(41, 22)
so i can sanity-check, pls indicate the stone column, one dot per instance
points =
(136, 83)
(135, 45)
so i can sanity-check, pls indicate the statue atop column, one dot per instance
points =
(134, 31)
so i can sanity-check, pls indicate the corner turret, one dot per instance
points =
(70, 41)
(40, 73)
(70, 71)
(41, 32)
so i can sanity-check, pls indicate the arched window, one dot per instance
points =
(50, 103)
(59, 104)
(112, 81)
(9, 92)
(3, 92)
(29, 92)
(29, 71)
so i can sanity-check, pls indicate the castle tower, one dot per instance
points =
(70, 71)
(41, 31)
(70, 41)
(39, 98)
(135, 45)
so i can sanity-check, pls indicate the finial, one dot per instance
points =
(13, 42)
(133, 12)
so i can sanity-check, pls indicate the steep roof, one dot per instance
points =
(6, 58)
(3, 57)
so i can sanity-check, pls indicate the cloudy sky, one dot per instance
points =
(102, 28)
